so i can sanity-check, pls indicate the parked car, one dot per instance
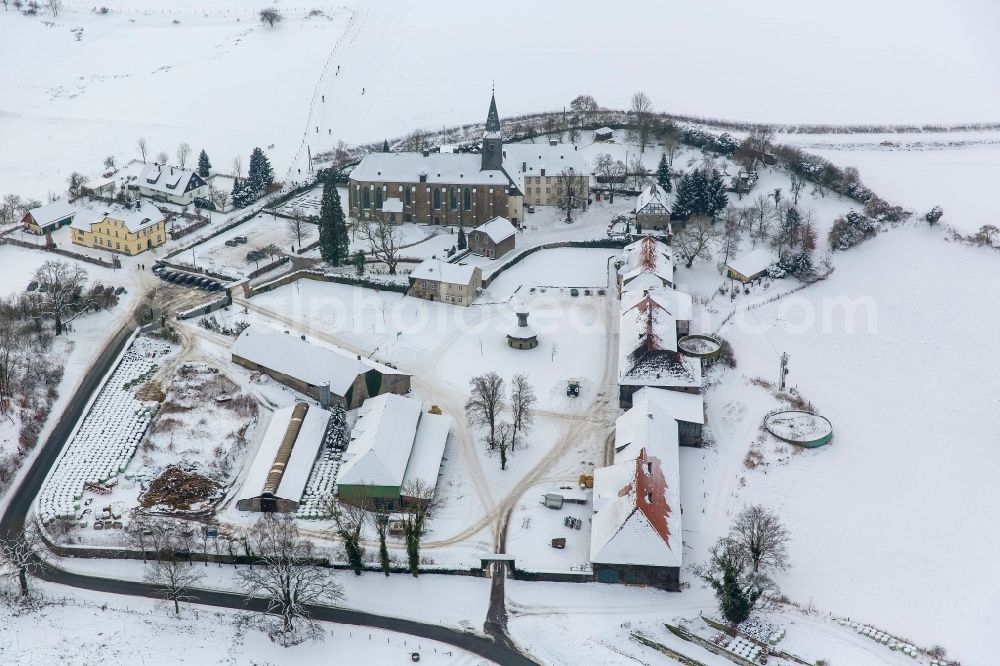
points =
(231, 243)
(241, 240)
(531, 209)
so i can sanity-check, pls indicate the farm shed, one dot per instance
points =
(751, 266)
(603, 134)
(280, 470)
(325, 373)
(394, 444)
(48, 218)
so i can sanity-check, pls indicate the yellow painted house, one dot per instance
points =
(129, 229)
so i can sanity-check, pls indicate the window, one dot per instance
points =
(452, 199)
(467, 199)
(437, 199)
(548, 190)
(367, 199)
(118, 246)
(548, 179)
(378, 198)
(406, 195)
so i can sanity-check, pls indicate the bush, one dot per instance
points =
(933, 215)
(726, 356)
(849, 230)
(881, 210)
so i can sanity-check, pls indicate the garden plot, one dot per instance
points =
(306, 203)
(261, 231)
(558, 268)
(106, 439)
(202, 428)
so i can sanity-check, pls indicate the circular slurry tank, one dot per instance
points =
(700, 346)
(798, 427)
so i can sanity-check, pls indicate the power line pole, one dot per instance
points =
(784, 370)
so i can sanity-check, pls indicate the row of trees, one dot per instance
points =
(488, 401)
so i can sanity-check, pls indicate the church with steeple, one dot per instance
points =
(464, 188)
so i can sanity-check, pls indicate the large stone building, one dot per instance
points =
(437, 280)
(464, 188)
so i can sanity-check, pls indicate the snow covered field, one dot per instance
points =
(895, 507)
(955, 171)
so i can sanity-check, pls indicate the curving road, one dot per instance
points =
(22, 497)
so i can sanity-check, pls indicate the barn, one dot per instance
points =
(325, 373)
(48, 218)
(751, 266)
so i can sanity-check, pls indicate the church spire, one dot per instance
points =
(492, 143)
(493, 118)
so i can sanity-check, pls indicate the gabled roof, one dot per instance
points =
(651, 196)
(493, 118)
(299, 463)
(53, 212)
(528, 159)
(677, 304)
(167, 179)
(637, 512)
(441, 271)
(445, 168)
(687, 407)
(645, 322)
(647, 260)
(752, 263)
(647, 349)
(394, 442)
(498, 229)
(136, 217)
(310, 362)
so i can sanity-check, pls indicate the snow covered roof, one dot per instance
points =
(647, 349)
(448, 168)
(603, 130)
(752, 263)
(136, 217)
(442, 271)
(53, 212)
(637, 518)
(648, 262)
(309, 362)
(687, 407)
(304, 450)
(498, 229)
(98, 183)
(394, 442)
(392, 205)
(528, 159)
(645, 322)
(652, 196)
(677, 303)
(167, 179)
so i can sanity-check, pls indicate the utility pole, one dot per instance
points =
(784, 370)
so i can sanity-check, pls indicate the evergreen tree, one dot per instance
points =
(462, 243)
(241, 196)
(204, 165)
(359, 262)
(701, 192)
(385, 145)
(334, 243)
(260, 176)
(788, 229)
(663, 174)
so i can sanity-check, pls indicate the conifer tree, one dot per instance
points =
(385, 145)
(334, 243)
(663, 174)
(260, 176)
(462, 243)
(204, 165)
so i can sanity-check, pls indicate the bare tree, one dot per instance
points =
(759, 217)
(730, 234)
(420, 504)
(75, 182)
(384, 238)
(485, 403)
(610, 172)
(141, 532)
(641, 111)
(671, 146)
(297, 226)
(760, 535)
(348, 521)
(270, 16)
(737, 589)
(237, 167)
(798, 183)
(569, 192)
(522, 405)
(637, 173)
(54, 6)
(162, 157)
(143, 147)
(695, 239)
(504, 441)
(61, 292)
(585, 106)
(17, 556)
(172, 571)
(286, 572)
(183, 153)
(109, 162)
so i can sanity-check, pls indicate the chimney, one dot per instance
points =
(426, 153)
(524, 167)
(543, 171)
(423, 177)
(171, 171)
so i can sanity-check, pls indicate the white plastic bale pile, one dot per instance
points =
(108, 436)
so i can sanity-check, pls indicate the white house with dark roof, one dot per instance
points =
(438, 280)
(652, 210)
(493, 239)
(171, 184)
(396, 443)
